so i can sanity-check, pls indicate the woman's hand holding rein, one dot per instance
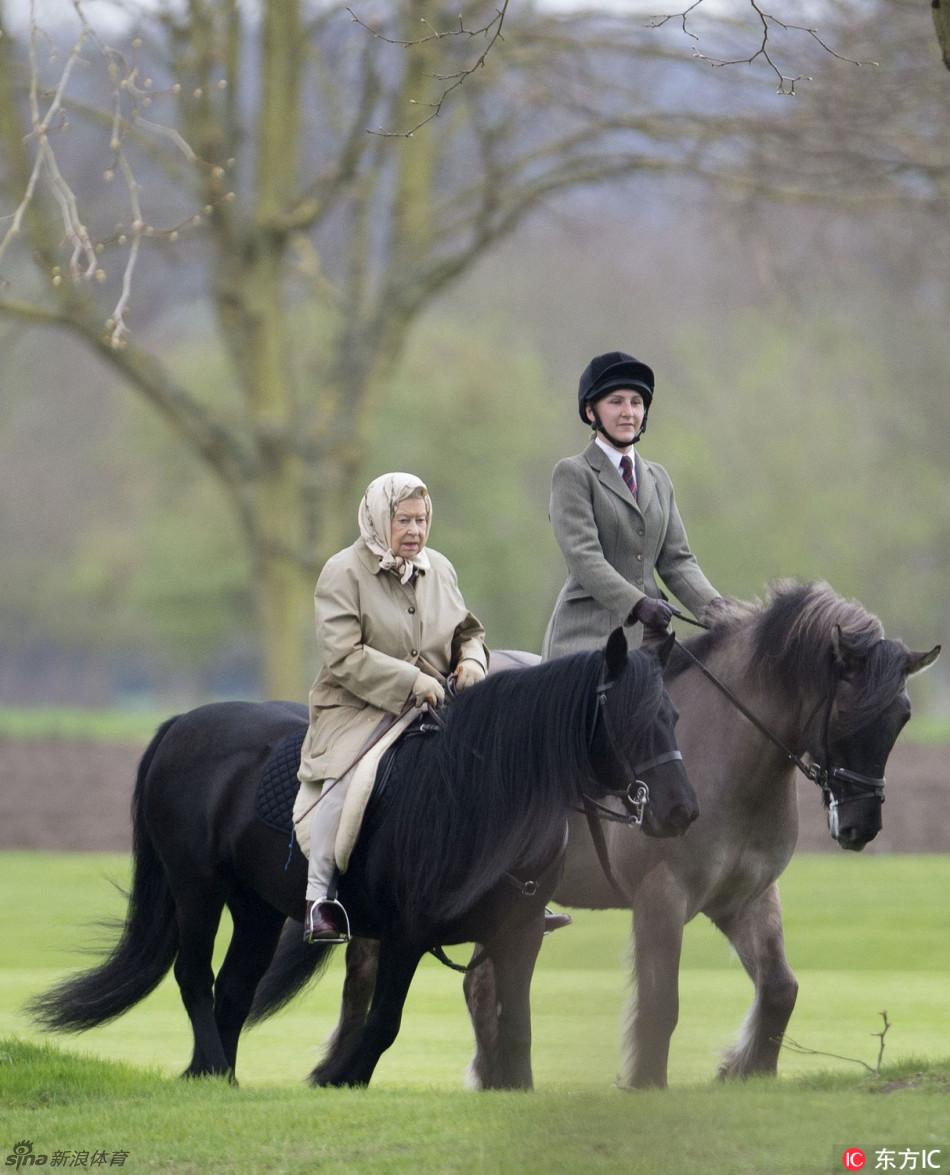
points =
(653, 613)
(426, 689)
(468, 672)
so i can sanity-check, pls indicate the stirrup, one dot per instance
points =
(342, 936)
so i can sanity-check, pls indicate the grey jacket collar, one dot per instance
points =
(609, 477)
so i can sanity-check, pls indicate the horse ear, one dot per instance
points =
(836, 646)
(615, 655)
(918, 661)
(665, 650)
(846, 662)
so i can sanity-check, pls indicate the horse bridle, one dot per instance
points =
(821, 774)
(866, 787)
(636, 795)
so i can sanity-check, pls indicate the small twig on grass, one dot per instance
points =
(875, 1071)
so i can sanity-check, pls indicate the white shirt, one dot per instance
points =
(615, 456)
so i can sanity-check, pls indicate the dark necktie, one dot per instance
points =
(626, 472)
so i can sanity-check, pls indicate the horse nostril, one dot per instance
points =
(852, 839)
(682, 816)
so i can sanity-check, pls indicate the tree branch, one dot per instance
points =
(211, 438)
(786, 82)
(491, 31)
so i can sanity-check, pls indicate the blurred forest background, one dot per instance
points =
(783, 262)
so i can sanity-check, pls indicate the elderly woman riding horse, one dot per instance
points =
(391, 627)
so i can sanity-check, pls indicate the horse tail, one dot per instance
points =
(294, 966)
(147, 945)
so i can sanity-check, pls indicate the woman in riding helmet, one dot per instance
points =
(615, 519)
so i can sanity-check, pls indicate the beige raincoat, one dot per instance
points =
(371, 632)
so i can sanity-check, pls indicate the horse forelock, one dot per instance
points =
(882, 677)
(637, 696)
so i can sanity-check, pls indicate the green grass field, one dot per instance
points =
(864, 935)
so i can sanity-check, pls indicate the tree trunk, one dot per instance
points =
(284, 585)
(941, 14)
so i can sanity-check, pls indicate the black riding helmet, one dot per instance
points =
(606, 373)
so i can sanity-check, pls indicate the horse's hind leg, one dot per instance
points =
(397, 965)
(756, 933)
(198, 911)
(515, 956)
(482, 1001)
(362, 958)
(257, 928)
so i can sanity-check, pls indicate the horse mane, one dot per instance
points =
(791, 634)
(491, 790)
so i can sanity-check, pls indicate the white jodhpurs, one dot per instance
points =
(324, 823)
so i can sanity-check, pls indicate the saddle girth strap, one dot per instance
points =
(475, 961)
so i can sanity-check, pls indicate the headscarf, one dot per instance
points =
(383, 495)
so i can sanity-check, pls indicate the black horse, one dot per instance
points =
(469, 849)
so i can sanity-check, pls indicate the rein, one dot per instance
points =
(636, 795)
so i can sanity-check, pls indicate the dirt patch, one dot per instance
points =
(66, 795)
(76, 795)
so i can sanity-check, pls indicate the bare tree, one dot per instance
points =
(246, 138)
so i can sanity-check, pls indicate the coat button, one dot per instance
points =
(411, 610)
(413, 652)
(640, 557)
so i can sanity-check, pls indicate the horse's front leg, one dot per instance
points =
(659, 914)
(362, 959)
(756, 933)
(398, 961)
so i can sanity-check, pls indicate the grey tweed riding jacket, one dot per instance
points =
(614, 546)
